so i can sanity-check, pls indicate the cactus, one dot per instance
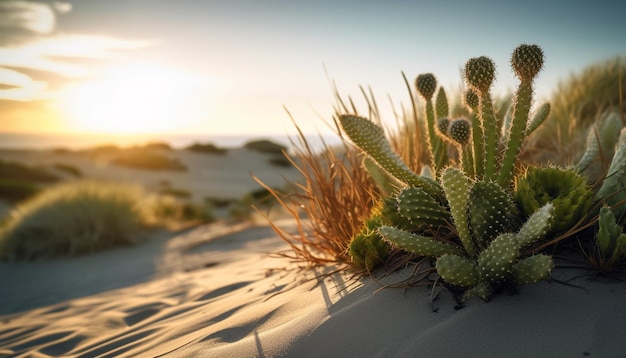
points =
(610, 242)
(613, 189)
(426, 85)
(567, 190)
(527, 61)
(489, 255)
(421, 210)
(472, 101)
(465, 215)
(541, 114)
(371, 139)
(601, 140)
(491, 210)
(500, 263)
(441, 104)
(460, 133)
(480, 73)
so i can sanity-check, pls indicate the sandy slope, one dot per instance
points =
(222, 176)
(214, 292)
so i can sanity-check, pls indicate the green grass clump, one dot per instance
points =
(208, 148)
(265, 146)
(74, 218)
(144, 159)
(14, 191)
(20, 172)
(70, 169)
(576, 104)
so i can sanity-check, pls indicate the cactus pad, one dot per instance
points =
(457, 270)
(491, 210)
(496, 262)
(441, 104)
(418, 244)
(421, 209)
(532, 269)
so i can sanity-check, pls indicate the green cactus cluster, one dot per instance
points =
(566, 189)
(479, 213)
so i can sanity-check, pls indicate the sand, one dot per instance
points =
(216, 290)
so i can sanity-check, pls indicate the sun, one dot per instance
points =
(136, 99)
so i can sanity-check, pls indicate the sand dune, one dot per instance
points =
(222, 176)
(214, 291)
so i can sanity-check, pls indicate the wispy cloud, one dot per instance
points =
(31, 43)
(31, 16)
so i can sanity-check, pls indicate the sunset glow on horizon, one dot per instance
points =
(124, 68)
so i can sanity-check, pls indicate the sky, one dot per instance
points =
(234, 67)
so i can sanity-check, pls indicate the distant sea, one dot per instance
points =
(73, 141)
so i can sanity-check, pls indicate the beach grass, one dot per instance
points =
(147, 159)
(86, 216)
(17, 171)
(576, 104)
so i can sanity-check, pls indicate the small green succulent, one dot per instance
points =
(567, 190)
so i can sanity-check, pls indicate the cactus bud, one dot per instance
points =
(472, 100)
(480, 73)
(426, 85)
(442, 126)
(527, 61)
(460, 131)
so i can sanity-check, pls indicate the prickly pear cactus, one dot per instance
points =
(500, 263)
(567, 190)
(470, 200)
(371, 139)
(491, 210)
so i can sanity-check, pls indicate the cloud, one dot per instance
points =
(29, 42)
(35, 17)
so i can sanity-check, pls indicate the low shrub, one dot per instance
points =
(14, 191)
(20, 172)
(208, 148)
(74, 218)
(143, 159)
(265, 146)
(70, 169)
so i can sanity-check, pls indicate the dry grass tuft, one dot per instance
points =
(330, 204)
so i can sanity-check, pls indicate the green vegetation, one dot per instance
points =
(280, 162)
(14, 191)
(20, 172)
(70, 169)
(86, 216)
(145, 159)
(72, 219)
(468, 194)
(265, 146)
(208, 148)
(178, 193)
